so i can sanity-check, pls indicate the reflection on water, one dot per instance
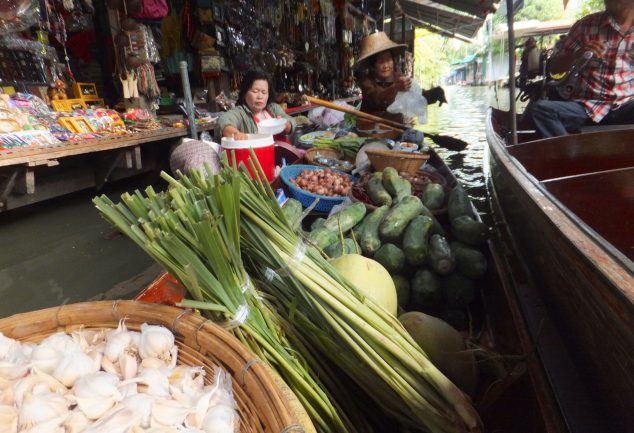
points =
(464, 118)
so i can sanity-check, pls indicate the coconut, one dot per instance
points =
(370, 278)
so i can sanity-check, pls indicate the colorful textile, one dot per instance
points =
(607, 82)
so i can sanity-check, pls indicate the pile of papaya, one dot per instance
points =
(434, 266)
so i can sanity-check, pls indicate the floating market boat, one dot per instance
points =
(564, 209)
(512, 382)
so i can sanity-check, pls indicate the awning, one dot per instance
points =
(525, 29)
(454, 18)
(470, 58)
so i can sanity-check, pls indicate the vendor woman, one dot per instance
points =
(381, 81)
(255, 103)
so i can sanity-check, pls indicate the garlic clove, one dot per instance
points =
(118, 421)
(152, 381)
(152, 363)
(129, 363)
(116, 342)
(96, 393)
(110, 367)
(61, 342)
(51, 426)
(39, 408)
(41, 380)
(76, 422)
(156, 342)
(168, 413)
(45, 358)
(73, 365)
(8, 419)
(220, 419)
(128, 389)
(10, 349)
(13, 370)
(141, 406)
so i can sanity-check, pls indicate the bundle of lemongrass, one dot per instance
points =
(368, 343)
(193, 230)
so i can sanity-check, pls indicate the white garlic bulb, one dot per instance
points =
(219, 419)
(96, 393)
(45, 358)
(61, 342)
(8, 419)
(141, 406)
(76, 422)
(36, 379)
(10, 349)
(120, 420)
(117, 341)
(169, 413)
(156, 342)
(39, 408)
(51, 426)
(73, 365)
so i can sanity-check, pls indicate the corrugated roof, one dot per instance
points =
(455, 18)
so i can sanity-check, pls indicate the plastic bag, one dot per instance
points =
(327, 117)
(411, 103)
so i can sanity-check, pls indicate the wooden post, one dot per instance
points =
(512, 109)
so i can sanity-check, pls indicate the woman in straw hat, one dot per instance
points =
(382, 81)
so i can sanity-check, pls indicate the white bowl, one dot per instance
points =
(272, 126)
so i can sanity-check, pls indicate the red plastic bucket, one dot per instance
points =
(263, 146)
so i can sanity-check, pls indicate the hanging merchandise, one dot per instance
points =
(17, 15)
(147, 82)
(152, 10)
(58, 28)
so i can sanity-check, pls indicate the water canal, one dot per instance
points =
(62, 251)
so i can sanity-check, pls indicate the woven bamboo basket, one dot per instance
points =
(265, 403)
(326, 152)
(408, 162)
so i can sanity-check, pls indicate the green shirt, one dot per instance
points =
(242, 118)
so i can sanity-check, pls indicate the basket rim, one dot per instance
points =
(296, 169)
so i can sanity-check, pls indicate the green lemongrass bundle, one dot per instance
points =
(367, 342)
(193, 230)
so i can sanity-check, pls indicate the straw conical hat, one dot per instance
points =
(374, 44)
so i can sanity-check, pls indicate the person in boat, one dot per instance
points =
(255, 103)
(381, 81)
(605, 92)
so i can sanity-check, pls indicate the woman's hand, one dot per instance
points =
(240, 136)
(288, 127)
(403, 83)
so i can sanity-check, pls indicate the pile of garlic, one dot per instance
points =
(109, 381)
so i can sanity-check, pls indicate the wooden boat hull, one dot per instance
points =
(558, 234)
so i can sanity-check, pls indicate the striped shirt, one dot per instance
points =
(607, 82)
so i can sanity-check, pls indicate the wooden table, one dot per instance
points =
(29, 175)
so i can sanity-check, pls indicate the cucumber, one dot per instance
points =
(469, 231)
(397, 218)
(391, 257)
(317, 224)
(369, 239)
(434, 196)
(335, 249)
(425, 292)
(459, 203)
(322, 237)
(458, 290)
(391, 181)
(469, 262)
(293, 210)
(416, 238)
(346, 219)
(402, 290)
(404, 190)
(436, 228)
(440, 257)
(377, 192)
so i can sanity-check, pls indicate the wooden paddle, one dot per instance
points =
(445, 141)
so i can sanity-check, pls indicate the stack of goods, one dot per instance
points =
(347, 357)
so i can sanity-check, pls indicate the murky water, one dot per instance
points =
(62, 251)
(464, 118)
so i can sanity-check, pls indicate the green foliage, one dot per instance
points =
(431, 60)
(543, 10)
(590, 6)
